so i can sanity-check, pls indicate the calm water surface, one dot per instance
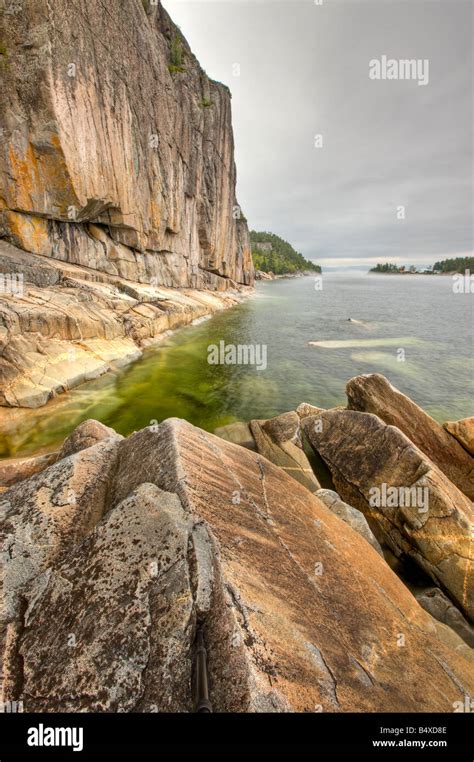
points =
(417, 314)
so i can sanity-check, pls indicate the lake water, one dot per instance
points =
(417, 318)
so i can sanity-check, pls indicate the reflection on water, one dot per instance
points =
(417, 314)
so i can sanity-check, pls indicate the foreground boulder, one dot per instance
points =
(408, 501)
(374, 394)
(41, 519)
(299, 612)
(125, 614)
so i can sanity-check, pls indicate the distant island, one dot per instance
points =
(272, 256)
(457, 265)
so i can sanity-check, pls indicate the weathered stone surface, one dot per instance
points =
(366, 458)
(125, 637)
(350, 515)
(40, 519)
(145, 192)
(279, 440)
(53, 510)
(306, 409)
(441, 608)
(463, 430)
(87, 434)
(15, 470)
(374, 394)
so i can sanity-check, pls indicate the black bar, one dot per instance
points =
(103, 733)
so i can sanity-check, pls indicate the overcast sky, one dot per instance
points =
(304, 71)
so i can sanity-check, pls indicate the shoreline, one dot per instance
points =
(65, 328)
(261, 277)
(378, 272)
(13, 417)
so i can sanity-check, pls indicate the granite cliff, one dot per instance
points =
(116, 160)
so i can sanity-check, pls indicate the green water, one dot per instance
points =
(419, 315)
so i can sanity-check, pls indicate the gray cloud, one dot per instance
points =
(304, 70)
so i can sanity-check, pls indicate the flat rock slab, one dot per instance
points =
(55, 336)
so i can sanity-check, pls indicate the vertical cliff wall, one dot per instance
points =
(116, 149)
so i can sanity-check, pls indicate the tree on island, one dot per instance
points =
(388, 267)
(280, 257)
(458, 265)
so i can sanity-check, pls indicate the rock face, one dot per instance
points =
(463, 431)
(117, 186)
(408, 501)
(374, 394)
(298, 611)
(350, 515)
(279, 440)
(117, 150)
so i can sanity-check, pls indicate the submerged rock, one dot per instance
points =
(174, 527)
(374, 394)
(408, 501)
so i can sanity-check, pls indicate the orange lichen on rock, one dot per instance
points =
(28, 232)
